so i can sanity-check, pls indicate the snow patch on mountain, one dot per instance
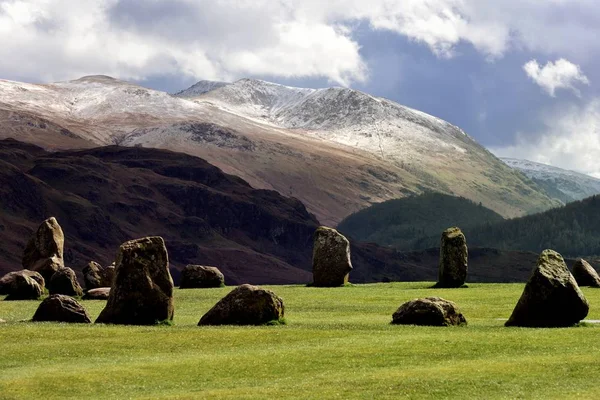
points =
(200, 88)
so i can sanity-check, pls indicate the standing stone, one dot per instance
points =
(64, 281)
(60, 308)
(453, 259)
(245, 305)
(44, 251)
(585, 274)
(7, 281)
(96, 276)
(430, 311)
(551, 297)
(331, 258)
(142, 292)
(24, 288)
(198, 276)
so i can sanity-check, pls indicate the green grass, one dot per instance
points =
(337, 343)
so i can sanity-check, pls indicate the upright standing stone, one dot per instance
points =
(585, 274)
(551, 297)
(95, 276)
(142, 292)
(64, 281)
(331, 258)
(44, 251)
(453, 259)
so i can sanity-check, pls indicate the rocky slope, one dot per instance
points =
(337, 150)
(561, 184)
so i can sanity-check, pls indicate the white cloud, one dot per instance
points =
(133, 39)
(570, 139)
(561, 74)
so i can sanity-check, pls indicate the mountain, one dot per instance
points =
(560, 184)
(199, 88)
(337, 150)
(402, 223)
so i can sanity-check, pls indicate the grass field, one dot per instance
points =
(337, 343)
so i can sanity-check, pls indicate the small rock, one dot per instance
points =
(551, 297)
(331, 258)
(60, 308)
(97, 294)
(44, 251)
(198, 276)
(7, 280)
(2, 321)
(585, 274)
(24, 288)
(453, 259)
(64, 281)
(142, 291)
(430, 311)
(245, 305)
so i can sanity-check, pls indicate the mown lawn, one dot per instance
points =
(338, 343)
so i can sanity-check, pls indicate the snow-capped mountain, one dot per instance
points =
(199, 88)
(338, 150)
(561, 184)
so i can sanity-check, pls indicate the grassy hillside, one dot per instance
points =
(338, 343)
(402, 222)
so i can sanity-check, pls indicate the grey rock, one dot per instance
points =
(60, 308)
(7, 281)
(96, 276)
(585, 274)
(44, 251)
(245, 305)
(198, 276)
(64, 281)
(551, 297)
(97, 294)
(24, 288)
(142, 291)
(430, 311)
(331, 258)
(453, 259)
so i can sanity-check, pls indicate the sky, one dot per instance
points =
(522, 77)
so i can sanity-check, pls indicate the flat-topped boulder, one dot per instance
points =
(453, 259)
(142, 291)
(331, 258)
(7, 281)
(246, 305)
(551, 297)
(199, 276)
(64, 281)
(24, 287)
(97, 294)
(430, 311)
(585, 274)
(60, 308)
(44, 251)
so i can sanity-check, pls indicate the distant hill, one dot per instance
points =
(403, 223)
(561, 184)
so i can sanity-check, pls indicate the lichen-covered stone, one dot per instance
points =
(142, 291)
(453, 259)
(551, 297)
(44, 251)
(245, 305)
(331, 258)
(60, 308)
(96, 276)
(430, 311)
(64, 281)
(585, 274)
(199, 276)
(6, 282)
(24, 288)
(97, 294)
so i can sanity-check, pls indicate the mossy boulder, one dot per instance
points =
(245, 305)
(585, 274)
(44, 251)
(61, 308)
(453, 259)
(199, 276)
(24, 287)
(551, 297)
(142, 291)
(7, 281)
(430, 311)
(331, 258)
(64, 281)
